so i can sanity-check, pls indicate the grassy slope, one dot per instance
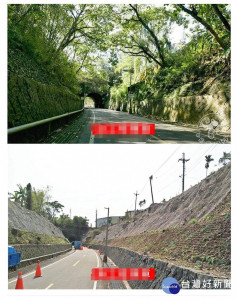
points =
(26, 237)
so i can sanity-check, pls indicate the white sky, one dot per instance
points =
(89, 177)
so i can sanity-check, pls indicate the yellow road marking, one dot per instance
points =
(49, 286)
(76, 263)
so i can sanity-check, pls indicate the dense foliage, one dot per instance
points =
(114, 46)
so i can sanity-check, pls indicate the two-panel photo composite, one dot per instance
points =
(119, 149)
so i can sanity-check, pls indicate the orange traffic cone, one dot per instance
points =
(19, 283)
(38, 270)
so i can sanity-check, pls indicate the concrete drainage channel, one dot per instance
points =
(125, 258)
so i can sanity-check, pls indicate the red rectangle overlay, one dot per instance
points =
(122, 128)
(123, 274)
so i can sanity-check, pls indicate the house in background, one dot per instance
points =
(103, 221)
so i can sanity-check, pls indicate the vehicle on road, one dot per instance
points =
(14, 258)
(77, 245)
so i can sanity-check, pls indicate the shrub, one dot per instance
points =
(193, 221)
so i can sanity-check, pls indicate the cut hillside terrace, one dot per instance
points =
(190, 230)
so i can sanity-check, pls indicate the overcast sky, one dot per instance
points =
(89, 177)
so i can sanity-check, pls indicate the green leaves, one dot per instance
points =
(92, 44)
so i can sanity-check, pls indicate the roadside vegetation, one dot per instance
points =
(16, 236)
(116, 46)
(40, 201)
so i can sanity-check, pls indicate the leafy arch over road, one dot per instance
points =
(87, 48)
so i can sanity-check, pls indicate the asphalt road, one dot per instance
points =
(79, 131)
(73, 271)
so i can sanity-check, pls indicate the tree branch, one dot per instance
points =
(221, 17)
(151, 32)
(204, 23)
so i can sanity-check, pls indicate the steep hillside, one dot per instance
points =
(26, 226)
(192, 229)
(195, 203)
(34, 93)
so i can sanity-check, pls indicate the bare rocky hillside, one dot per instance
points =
(21, 218)
(195, 203)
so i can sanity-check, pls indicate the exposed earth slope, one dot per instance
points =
(192, 229)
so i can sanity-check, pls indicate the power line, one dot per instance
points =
(167, 159)
(144, 186)
(197, 162)
(161, 166)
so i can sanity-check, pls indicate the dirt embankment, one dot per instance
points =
(195, 203)
(192, 229)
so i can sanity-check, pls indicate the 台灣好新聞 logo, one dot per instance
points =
(170, 285)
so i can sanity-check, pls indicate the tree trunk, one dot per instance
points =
(204, 23)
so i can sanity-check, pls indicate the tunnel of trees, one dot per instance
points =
(112, 47)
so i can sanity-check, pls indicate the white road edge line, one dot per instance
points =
(49, 286)
(92, 137)
(98, 263)
(124, 281)
(42, 268)
(76, 263)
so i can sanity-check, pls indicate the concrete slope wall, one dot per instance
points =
(31, 251)
(125, 258)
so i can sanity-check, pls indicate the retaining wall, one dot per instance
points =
(125, 258)
(182, 106)
(30, 100)
(32, 251)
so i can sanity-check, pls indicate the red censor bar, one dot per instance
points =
(122, 274)
(123, 128)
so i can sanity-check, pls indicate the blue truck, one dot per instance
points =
(77, 245)
(14, 258)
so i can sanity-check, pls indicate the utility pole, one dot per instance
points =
(70, 213)
(136, 194)
(106, 239)
(151, 177)
(183, 161)
(96, 219)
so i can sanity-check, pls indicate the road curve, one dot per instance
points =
(71, 272)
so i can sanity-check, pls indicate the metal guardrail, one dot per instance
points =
(40, 122)
(46, 255)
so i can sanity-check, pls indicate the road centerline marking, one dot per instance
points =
(76, 263)
(49, 286)
(92, 137)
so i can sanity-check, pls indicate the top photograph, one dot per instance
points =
(119, 74)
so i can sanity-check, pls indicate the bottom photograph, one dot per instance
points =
(115, 217)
